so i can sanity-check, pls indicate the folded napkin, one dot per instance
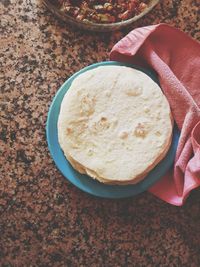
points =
(175, 57)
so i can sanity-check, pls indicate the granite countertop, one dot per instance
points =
(45, 220)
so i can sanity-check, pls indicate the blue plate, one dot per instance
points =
(84, 182)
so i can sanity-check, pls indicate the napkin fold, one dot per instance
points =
(175, 57)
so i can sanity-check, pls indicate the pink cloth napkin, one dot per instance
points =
(175, 57)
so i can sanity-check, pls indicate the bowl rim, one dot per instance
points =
(62, 15)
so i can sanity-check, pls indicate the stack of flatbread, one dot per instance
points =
(115, 124)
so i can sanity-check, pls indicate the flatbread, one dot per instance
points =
(114, 124)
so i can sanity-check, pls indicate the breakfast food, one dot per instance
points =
(103, 11)
(114, 124)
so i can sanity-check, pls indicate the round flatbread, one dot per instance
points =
(114, 124)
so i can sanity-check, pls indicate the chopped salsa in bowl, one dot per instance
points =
(102, 11)
(100, 15)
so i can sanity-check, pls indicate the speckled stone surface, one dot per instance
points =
(44, 220)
